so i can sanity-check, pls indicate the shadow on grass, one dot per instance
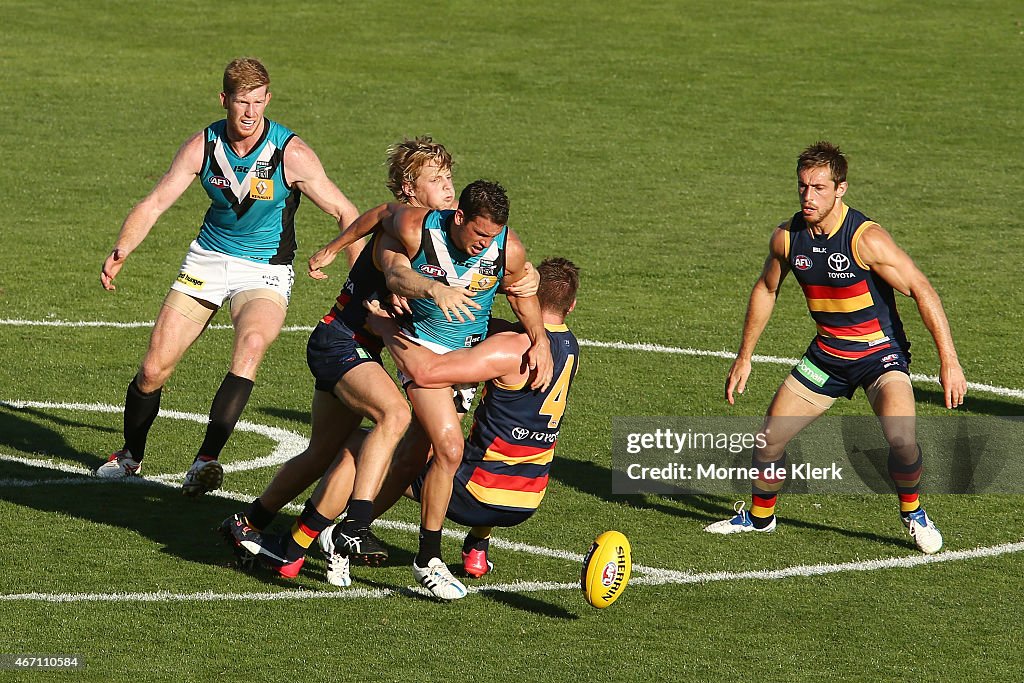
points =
(185, 528)
(528, 603)
(595, 480)
(25, 430)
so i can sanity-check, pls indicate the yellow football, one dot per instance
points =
(606, 569)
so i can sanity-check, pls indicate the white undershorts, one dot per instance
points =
(462, 394)
(214, 277)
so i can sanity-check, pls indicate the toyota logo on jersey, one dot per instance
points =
(838, 262)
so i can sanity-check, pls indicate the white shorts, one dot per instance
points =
(214, 277)
(462, 394)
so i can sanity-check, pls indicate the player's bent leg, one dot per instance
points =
(332, 423)
(436, 413)
(892, 398)
(408, 463)
(257, 316)
(179, 323)
(792, 408)
(369, 390)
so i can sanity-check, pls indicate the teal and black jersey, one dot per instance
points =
(252, 209)
(438, 258)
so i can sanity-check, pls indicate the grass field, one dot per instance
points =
(654, 145)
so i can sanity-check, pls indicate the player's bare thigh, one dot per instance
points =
(258, 316)
(181, 320)
(892, 398)
(436, 413)
(792, 408)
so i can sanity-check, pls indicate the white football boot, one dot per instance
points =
(437, 579)
(119, 465)
(923, 530)
(202, 476)
(738, 524)
(337, 563)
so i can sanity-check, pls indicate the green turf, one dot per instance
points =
(653, 144)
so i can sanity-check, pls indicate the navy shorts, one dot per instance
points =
(333, 350)
(466, 510)
(825, 374)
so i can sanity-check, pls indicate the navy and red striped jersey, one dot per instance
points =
(515, 430)
(854, 308)
(365, 280)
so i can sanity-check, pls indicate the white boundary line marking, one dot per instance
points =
(286, 443)
(289, 443)
(621, 346)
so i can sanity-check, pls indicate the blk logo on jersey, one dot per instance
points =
(261, 188)
(802, 262)
(263, 170)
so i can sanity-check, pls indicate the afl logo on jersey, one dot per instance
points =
(430, 270)
(219, 181)
(838, 262)
(802, 262)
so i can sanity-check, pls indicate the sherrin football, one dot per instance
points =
(606, 569)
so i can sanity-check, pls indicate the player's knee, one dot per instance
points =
(448, 453)
(152, 375)
(394, 419)
(903, 449)
(252, 344)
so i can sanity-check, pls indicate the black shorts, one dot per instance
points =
(825, 374)
(466, 510)
(333, 350)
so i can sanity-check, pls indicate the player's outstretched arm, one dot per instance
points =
(759, 311)
(306, 174)
(370, 222)
(527, 309)
(186, 165)
(879, 251)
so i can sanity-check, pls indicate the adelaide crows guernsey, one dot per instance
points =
(252, 210)
(438, 258)
(854, 308)
(365, 281)
(515, 430)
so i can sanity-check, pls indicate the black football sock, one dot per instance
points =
(140, 409)
(359, 515)
(430, 547)
(474, 542)
(259, 517)
(227, 407)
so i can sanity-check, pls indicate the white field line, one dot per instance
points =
(622, 346)
(286, 443)
(647, 576)
(289, 443)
